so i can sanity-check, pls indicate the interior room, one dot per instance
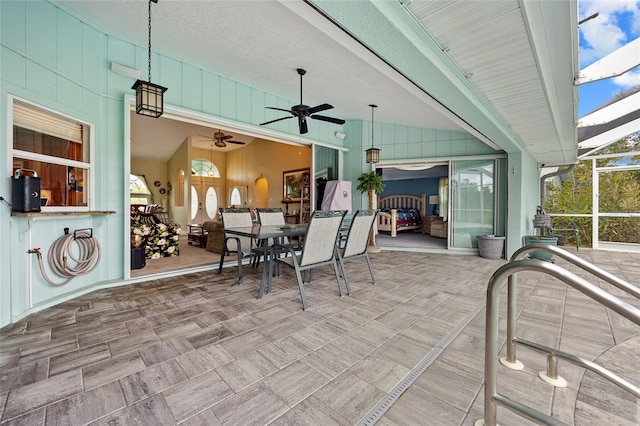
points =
(192, 168)
(416, 179)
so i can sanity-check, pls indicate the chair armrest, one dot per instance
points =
(289, 248)
(231, 237)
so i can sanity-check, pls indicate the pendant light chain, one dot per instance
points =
(149, 96)
(149, 41)
(372, 109)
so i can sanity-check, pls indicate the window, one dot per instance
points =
(139, 190)
(56, 147)
(202, 167)
(236, 199)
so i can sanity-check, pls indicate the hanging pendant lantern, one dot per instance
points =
(149, 96)
(372, 154)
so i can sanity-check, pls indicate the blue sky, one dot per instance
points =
(617, 24)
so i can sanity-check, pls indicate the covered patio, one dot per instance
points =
(408, 350)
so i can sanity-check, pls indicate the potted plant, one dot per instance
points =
(370, 182)
(542, 233)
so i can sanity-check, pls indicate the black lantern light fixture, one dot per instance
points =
(148, 95)
(373, 154)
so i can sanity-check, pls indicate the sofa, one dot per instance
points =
(160, 239)
(439, 228)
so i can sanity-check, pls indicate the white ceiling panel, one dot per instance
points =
(261, 43)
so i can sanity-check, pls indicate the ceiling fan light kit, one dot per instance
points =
(221, 140)
(149, 96)
(302, 111)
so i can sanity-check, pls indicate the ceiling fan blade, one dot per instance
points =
(302, 124)
(279, 109)
(319, 108)
(207, 137)
(329, 119)
(277, 119)
(236, 142)
(224, 138)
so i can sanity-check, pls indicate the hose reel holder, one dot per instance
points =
(62, 250)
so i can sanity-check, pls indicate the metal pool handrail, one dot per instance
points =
(497, 282)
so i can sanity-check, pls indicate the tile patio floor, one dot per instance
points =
(194, 350)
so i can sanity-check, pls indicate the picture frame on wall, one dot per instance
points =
(293, 183)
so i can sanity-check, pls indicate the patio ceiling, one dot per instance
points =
(499, 69)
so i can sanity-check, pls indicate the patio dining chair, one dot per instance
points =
(356, 242)
(269, 216)
(233, 244)
(318, 250)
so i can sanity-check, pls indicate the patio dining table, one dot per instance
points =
(264, 233)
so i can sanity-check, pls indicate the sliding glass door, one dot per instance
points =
(472, 201)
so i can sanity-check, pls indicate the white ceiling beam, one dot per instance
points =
(611, 112)
(614, 64)
(612, 135)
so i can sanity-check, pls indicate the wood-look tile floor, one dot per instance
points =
(196, 350)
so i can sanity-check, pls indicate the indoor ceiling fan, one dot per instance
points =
(221, 140)
(303, 111)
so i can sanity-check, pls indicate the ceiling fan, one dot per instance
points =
(221, 140)
(303, 111)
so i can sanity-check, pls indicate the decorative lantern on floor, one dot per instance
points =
(149, 96)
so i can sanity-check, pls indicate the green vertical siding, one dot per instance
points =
(211, 93)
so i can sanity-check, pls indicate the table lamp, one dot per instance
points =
(435, 200)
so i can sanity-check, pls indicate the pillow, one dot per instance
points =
(149, 220)
(404, 214)
(407, 213)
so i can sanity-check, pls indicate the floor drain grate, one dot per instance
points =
(377, 412)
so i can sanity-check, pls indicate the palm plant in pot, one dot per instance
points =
(370, 182)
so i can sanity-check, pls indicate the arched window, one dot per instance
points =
(139, 190)
(236, 200)
(202, 167)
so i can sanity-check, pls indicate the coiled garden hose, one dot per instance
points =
(61, 251)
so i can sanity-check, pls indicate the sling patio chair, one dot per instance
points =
(318, 250)
(233, 244)
(356, 243)
(269, 216)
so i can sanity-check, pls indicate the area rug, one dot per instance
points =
(411, 240)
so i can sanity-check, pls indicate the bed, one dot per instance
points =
(401, 213)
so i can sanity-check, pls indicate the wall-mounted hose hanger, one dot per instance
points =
(62, 252)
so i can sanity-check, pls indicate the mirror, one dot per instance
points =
(238, 195)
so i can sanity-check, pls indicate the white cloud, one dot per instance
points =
(618, 22)
(628, 79)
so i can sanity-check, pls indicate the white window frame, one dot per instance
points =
(88, 166)
(204, 167)
(148, 196)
